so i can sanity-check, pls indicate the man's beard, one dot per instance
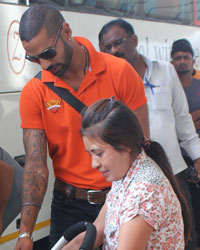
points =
(183, 72)
(62, 67)
(183, 69)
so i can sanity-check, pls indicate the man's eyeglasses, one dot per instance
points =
(118, 44)
(48, 53)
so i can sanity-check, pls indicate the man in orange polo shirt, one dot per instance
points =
(73, 64)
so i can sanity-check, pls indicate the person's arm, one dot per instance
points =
(197, 166)
(34, 183)
(196, 119)
(186, 132)
(142, 115)
(6, 179)
(99, 224)
(134, 235)
(197, 124)
(195, 115)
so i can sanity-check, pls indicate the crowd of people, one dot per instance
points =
(136, 134)
(169, 120)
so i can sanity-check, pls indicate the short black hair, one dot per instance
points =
(181, 45)
(37, 17)
(118, 22)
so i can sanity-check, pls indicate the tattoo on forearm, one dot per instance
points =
(35, 178)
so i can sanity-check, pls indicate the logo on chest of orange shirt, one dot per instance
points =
(53, 105)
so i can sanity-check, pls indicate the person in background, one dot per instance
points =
(6, 177)
(10, 182)
(182, 58)
(71, 63)
(144, 209)
(169, 120)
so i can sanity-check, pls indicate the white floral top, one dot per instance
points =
(145, 191)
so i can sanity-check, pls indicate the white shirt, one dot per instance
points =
(169, 118)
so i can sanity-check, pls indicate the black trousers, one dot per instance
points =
(65, 212)
(191, 245)
(195, 197)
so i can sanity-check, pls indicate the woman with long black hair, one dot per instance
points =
(144, 208)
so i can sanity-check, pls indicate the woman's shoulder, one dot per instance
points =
(149, 172)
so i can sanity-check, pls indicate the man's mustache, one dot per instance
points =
(182, 65)
(118, 54)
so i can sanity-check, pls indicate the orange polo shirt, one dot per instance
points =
(197, 74)
(41, 108)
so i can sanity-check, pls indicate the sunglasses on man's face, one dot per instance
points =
(48, 53)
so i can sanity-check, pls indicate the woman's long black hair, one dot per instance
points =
(114, 123)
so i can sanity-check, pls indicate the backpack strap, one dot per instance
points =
(64, 94)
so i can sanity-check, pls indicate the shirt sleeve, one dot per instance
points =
(148, 201)
(30, 106)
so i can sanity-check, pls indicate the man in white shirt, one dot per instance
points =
(169, 119)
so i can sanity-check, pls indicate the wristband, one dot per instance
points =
(31, 204)
(22, 235)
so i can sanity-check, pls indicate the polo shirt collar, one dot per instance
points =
(97, 64)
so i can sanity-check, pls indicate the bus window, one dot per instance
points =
(197, 12)
(133, 7)
(162, 9)
(186, 15)
(10, 1)
(57, 3)
(185, 12)
(180, 11)
(76, 2)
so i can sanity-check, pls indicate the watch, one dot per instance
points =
(22, 235)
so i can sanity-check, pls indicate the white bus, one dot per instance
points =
(156, 22)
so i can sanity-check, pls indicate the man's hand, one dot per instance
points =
(24, 244)
(197, 166)
(197, 124)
